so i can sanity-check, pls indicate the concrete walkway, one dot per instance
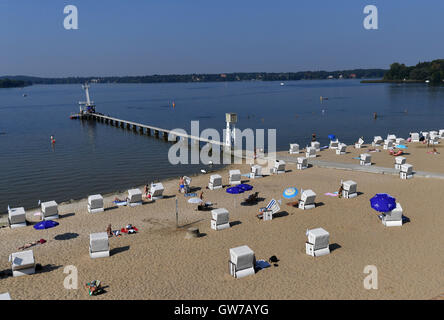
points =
(357, 167)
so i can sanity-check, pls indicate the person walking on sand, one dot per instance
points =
(201, 196)
(181, 184)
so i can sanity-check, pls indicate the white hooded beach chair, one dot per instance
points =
(98, 245)
(414, 136)
(215, 182)
(50, 210)
(302, 163)
(256, 171)
(17, 217)
(316, 145)
(425, 134)
(399, 161)
(391, 137)
(318, 243)
(242, 261)
(22, 263)
(349, 189)
(134, 197)
(219, 219)
(341, 149)
(365, 159)
(279, 166)
(310, 152)
(406, 171)
(307, 200)
(5, 296)
(400, 141)
(156, 191)
(333, 144)
(359, 144)
(393, 218)
(441, 133)
(434, 139)
(95, 203)
(388, 144)
(187, 184)
(294, 148)
(377, 141)
(235, 177)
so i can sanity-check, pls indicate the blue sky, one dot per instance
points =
(138, 37)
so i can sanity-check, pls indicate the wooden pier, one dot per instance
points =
(169, 135)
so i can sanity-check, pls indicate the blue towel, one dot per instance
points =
(190, 194)
(262, 264)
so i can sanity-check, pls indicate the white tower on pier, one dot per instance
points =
(89, 105)
(230, 133)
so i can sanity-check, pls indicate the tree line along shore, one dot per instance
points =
(430, 72)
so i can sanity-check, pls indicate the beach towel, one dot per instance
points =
(331, 194)
(262, 264)
(324, 147)
(247, 175)
(190, 194)
(356, 158)
(120, 203)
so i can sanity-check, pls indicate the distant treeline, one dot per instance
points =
(432, 71)
(8, 83)
(220, 77)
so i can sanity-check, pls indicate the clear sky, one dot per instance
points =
(140, 37)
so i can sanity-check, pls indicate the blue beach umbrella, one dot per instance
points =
(245, 187)
(290, 193)
(45, 225)
(332, 137)
(383, 202)
(235, 190)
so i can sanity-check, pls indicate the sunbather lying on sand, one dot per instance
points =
(373, 150)
(395, 152)
(433, 152)
(28, 245)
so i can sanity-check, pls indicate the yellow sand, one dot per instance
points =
(158, 263)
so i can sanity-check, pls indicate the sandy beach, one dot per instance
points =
(158, 263)
(416, 154)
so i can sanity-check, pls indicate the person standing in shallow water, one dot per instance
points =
(313, 137)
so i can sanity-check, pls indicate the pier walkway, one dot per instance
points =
(169, 135)
(357, 167)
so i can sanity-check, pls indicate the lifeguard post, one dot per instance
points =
(230, 135)
(88, 106)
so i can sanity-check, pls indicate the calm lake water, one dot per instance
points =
(91, 157)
